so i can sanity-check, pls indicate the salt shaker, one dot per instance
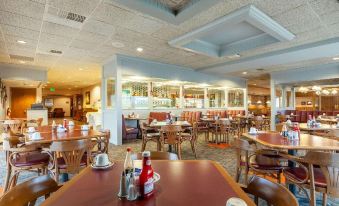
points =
(132, 192)
(123, 185)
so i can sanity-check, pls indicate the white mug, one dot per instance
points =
(234, 201)
(101, 160)
(31, 129)
(253, 130)
(61, 129)
(36, 136)
(84, 127)
(70, 123)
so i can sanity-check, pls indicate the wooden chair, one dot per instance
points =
(171, 135)
(69, 157)
(274, 194)
(156, 155)
(100, 144)
(28, 192)
(317, 171)
(148, 134)
(16, 126)
(191, 137)
(21, 157)
(265, 162)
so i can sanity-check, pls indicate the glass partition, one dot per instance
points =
(193, 97)
(165, 96)
(216, 98)
(236, 98)
(135, 95)
(110, 93)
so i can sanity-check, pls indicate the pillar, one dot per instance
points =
(273, 104)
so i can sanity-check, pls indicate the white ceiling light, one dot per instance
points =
(140, 49)
(334, 92)
(259, 102)
(117, 44)
(22, 62)
(318, 92)
(303, 89)
(268, 102)
(244, 72)
(21, 42)
(316, 88)
(234, 56)
(81, 69)
(326, 92)
(204, 85)
(335, 58)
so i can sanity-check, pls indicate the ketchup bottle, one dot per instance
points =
(146, 177)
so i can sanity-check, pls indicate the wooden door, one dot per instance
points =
(21, 100)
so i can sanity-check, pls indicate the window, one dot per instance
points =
(193, 97)
(165, 96)
(216, 98)
(236, 98)
(135, 95)
(110, 93)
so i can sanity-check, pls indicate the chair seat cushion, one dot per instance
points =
(299, 174)
(31, 159)
(153, 135)
(132, 130)
(62, 163)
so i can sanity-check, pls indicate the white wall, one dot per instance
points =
(62, 102)
(95, 96)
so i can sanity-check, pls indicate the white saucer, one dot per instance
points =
(102, 167)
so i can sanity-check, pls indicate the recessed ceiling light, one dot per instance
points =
(118, 44)
(139, 49)
(22, 62)
(244, 73)
(335, 58)
(21, 42)
(81, 69)
(234, 56)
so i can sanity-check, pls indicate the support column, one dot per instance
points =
(226, 98)
(38, 98)
(181, 97)
(246, 99)
(273, 104)
(206, 100)
(283, 97)
(293, 102)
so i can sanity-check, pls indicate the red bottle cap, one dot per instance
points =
(129, 149)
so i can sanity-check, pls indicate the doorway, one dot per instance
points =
(21, 100)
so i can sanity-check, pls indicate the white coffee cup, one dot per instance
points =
(61, 129)
(84, 127)
(101, 160)
(70, 123)
(253, 130)
(234, 201)
(36, 136)
(31, 129)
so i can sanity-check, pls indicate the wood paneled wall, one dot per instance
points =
(330, 103)
(21, 100)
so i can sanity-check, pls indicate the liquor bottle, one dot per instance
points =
(128, 164)
(64, 123)
(146, 177)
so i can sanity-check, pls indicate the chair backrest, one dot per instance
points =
(273, 193)
(29, 191)
(72, 152)
(15, 126)
(171, 133)
(157, 156)
(329, 164)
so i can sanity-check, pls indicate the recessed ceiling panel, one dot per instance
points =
(244, 29)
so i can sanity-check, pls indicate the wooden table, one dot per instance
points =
(177, 123)
(182, 183)
(332, 120)
(49, 137)
(306, 142)
(322, 127)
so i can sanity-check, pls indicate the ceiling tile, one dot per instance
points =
(300, 15)
(98, 27)
(167, 32)
(142, 24)
(19, 32)
(13, 40)
(111, 14)
(330, 18)
(274, 7)
(75, 53)
(60, 30)
(91, 37)
(82, 7)
(324, 6)
(24, 7)
(46, 38)
(19, 21)
(83, 45)
(45, 48)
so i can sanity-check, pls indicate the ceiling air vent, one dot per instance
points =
(21, 58)
(55, 51)
(66, 18)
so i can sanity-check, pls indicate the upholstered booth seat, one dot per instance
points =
(302, 116)
(159, 116)
(128, 132)
(299, 174)
(30, 159)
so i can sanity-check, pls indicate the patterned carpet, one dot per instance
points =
(224, 155)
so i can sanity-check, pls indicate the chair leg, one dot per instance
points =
(14, 179)
(324, 199)
(143, 146)
(237, 175)
(312, 198)
(179, 150)
(8, 177)
(193, 149)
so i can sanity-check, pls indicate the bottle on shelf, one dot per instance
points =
(128, 164)
(146, 177)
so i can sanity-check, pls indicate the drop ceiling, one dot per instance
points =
(84, 48)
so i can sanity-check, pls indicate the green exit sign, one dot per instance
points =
(52, 89)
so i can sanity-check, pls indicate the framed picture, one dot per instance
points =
(49, 102)
(88, 97)
(303, 103)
